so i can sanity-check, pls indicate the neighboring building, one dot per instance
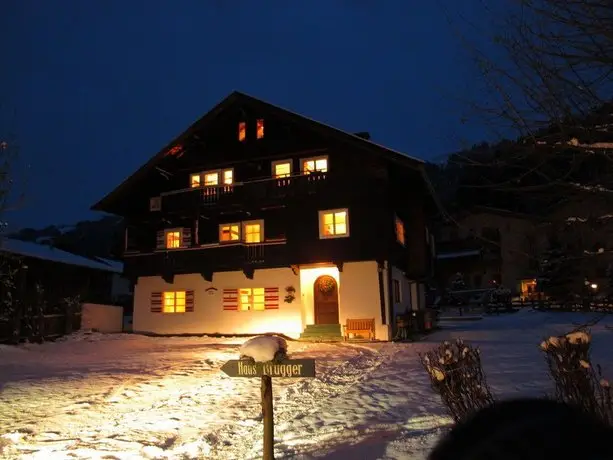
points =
(581, 226)
(61, 274)
(489, 245)
(257, 219)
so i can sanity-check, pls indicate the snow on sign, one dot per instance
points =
(296, 368)
(266, 357)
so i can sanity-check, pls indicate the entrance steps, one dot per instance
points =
(322, 333)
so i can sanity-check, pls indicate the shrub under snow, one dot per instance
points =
(576, 381)
(456, 374)
(264, 348)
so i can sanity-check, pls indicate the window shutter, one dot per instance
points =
(189, 301)
(186, 237)
(160, 240)
(271, 298)
(230, 299)
(156, 302)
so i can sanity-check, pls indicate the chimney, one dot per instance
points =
(363, 135)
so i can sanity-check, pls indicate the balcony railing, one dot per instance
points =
(256, 191)
(213, 258)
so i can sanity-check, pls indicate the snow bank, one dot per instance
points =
(263, 348)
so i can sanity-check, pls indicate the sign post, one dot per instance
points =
(288, 368)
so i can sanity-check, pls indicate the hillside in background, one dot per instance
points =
(89, 238)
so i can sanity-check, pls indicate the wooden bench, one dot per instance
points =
(361, 327)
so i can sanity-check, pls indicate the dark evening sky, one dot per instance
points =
(92, 89)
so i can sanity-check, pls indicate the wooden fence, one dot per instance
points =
(46, 327)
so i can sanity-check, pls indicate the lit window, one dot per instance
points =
(333, 223)
(195, 180)
(174, 302)
(400, 231)
(253, 231)
(260, 128)
(229, 232)
(242, 131)
(312, 165)
(173, 239)
(282, 169)
(211, 178)
(228, 176)
(251, 299)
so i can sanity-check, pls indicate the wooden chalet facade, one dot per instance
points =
(257, 219)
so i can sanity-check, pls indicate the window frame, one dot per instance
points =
(321, 213)
(403, 241)
(251, 302)
(281, 162)
(252, 222)
(178, 230)
(396, 291)
(191, 180)
(221, 177)
(231, 224)
(314, 159)
(174, 306)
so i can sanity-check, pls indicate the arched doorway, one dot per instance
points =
(325, 295)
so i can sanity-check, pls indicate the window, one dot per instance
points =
(333, 223)
(396, 286)
(311, 165)
(174, 302)
(400, 231)
(211, 178)
(194, 180)
(242, 131)
(253, 231)
(228, 176)
(282, 169)
(251, 299)
(155, 203)
(173, 239)
(260, 128)
(229, 232)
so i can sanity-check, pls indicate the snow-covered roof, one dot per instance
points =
(116, 265)
(453, 255)
(44, 252)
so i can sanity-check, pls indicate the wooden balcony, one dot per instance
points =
(262, 192)
(207, 258)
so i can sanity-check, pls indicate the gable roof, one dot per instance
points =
(238, 97)
(49, 253)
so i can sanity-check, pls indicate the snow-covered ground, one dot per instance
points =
(128, 396)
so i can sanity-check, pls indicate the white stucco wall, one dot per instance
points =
(358, 298)
(359, 295)
(208, 316)
(103, 318)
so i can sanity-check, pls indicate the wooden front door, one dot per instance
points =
(325, 294)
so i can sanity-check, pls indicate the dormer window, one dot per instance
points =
(312, 165)
(281, 169)
(260, 128)
(194, 180)
(242, 131)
